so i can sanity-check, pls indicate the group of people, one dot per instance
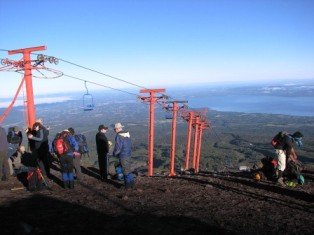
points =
(70, 156)
(122, 150)
(40, 157)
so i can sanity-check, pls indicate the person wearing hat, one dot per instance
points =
(102, 146)
(123, 150)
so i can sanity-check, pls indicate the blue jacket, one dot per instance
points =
(74, 145)
(123, 145)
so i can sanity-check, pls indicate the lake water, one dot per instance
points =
(296, 106)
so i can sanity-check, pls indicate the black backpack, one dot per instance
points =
(81, 141)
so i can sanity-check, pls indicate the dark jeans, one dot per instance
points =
(103, 165)
(66, 162)
(35, 153)
(44, 157)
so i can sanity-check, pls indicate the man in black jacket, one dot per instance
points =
(102, 151)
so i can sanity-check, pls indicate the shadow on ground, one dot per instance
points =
(44, 215)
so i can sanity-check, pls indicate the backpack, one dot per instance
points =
(81, 141)
(119, 171)
(269, 167)
(12, 137)
(34, 180)
(61, 145)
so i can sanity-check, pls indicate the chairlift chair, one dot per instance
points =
(88, 101)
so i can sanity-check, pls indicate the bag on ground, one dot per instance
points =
(34, 179)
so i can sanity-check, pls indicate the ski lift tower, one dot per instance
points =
(174, 106)
(203, 124)
(151, 99)
(27, 67)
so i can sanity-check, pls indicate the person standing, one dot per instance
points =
(44, 148)
(75, 153)
(65, 152)
(4, 145)
(123, 150)
(36, 137)
(102, 146)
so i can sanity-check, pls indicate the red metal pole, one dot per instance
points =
(29, 89)
(9, 108)
(195, 141)
(199, 147)
(173, 138)
(151, 128)
(188, 142)
(28, 80)
(151, 134)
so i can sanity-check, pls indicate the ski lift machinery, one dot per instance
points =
(88, 100)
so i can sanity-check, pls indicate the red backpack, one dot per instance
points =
(62, 146)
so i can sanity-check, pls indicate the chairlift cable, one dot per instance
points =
(101, 73)
(98, 84)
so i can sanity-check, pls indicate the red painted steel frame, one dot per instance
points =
(151, 132)
(188, 141)
(8, 109)
(200, 126)
(28, 80)
(175, 109)
(196, 135)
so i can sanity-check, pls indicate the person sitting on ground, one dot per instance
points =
(15, 160)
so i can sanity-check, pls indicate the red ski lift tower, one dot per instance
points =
(174, 106)
(202, 125)
(27, 67)
(151, 99)
(188, 115)
(194, 119)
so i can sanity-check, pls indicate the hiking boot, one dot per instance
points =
(280, 182)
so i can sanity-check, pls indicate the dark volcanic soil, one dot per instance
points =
(221, 203)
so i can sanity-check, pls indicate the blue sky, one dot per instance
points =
(161, 43)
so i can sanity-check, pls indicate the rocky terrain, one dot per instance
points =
(207, 203)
